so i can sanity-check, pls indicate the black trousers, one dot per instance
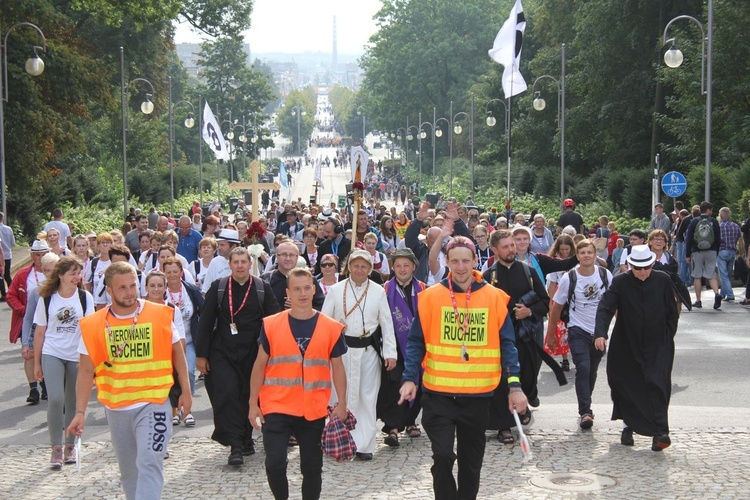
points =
(276, 431)
(464, 419)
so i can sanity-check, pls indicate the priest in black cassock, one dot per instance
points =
(641, 352)
(226, 347)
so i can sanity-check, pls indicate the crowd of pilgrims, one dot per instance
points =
(174, 262)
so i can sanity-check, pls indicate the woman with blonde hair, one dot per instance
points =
(56, 340)
(562, 249)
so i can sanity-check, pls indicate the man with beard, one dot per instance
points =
(402, 292)
(226, 347)
(639, 364)
(516, 279)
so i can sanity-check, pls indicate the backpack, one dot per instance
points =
(703, 235)
(573, 277)
(81, 297)
(94, 263)
(260, 288)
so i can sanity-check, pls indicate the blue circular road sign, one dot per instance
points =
(673, 184)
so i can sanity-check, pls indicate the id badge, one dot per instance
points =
(233, 328)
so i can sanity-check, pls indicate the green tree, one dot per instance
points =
(286, 119)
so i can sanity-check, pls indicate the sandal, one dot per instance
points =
(176, 420)
(413, 431)
(505, 436)
(565, 365)
(745, 302)
(392, 438)
(525, 418)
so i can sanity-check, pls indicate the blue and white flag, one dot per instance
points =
(507, 51)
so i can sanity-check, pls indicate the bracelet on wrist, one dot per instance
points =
(80, 411)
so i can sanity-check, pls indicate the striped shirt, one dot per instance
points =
(730, 233)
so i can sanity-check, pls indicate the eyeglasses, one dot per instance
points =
(636, 268)
(327, 264)
(657, 239)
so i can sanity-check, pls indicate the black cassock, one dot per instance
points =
(231, 357)
(641, 351)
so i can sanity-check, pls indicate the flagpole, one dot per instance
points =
(510, 99)
(200, 149)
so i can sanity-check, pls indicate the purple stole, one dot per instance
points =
(402, 316)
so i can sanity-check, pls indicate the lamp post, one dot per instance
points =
(34, 67)
(147, 107)
(539, 105)
(298, 112)
(457, 129)
(401, 138)
(189, 123)
(439, 133)
(491, 121)
(423, 135)
(243, 140)
(364, 118)
(673, 59)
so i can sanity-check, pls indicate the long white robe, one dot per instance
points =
(363, 366)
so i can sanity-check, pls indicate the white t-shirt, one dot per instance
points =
(183, 311)
(63, 334)
(175, 338)
(97, 277)
(589, 291)
(63, 228)
(202, 270)
(218, 268)
(33, 280)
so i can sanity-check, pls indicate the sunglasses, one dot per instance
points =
(327, 264)
(636, 268)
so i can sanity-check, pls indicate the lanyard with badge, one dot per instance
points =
(232, 312)
(461, 329)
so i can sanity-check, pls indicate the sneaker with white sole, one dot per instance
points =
(189, 421)
(56, 461)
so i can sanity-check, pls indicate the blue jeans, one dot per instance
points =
(586, 359)
(190, 356)
(684, 267)
(725, 262)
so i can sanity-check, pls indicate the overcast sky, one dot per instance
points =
(293, 26)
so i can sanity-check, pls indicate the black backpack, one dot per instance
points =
(573, 277)
(260, 288)
(81, 297)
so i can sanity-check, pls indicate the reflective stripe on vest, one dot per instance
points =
(144, 372)
(293, 384)
(445, 369)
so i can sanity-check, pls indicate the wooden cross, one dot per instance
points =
(255, 187)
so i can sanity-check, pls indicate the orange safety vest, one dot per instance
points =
(445, 369)
(293, 384)
(143, 371)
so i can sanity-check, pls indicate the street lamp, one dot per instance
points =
(491, 121)
(457, 129)
(34, 67)
(673, 59)
(298, 112)
(438, 134)
(423, 135)
(364, 118)
(189, 123)
(539, 105)
(230, 138)
(147, 107)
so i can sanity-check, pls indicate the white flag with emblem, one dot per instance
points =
(212, 135)
(507, 51)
